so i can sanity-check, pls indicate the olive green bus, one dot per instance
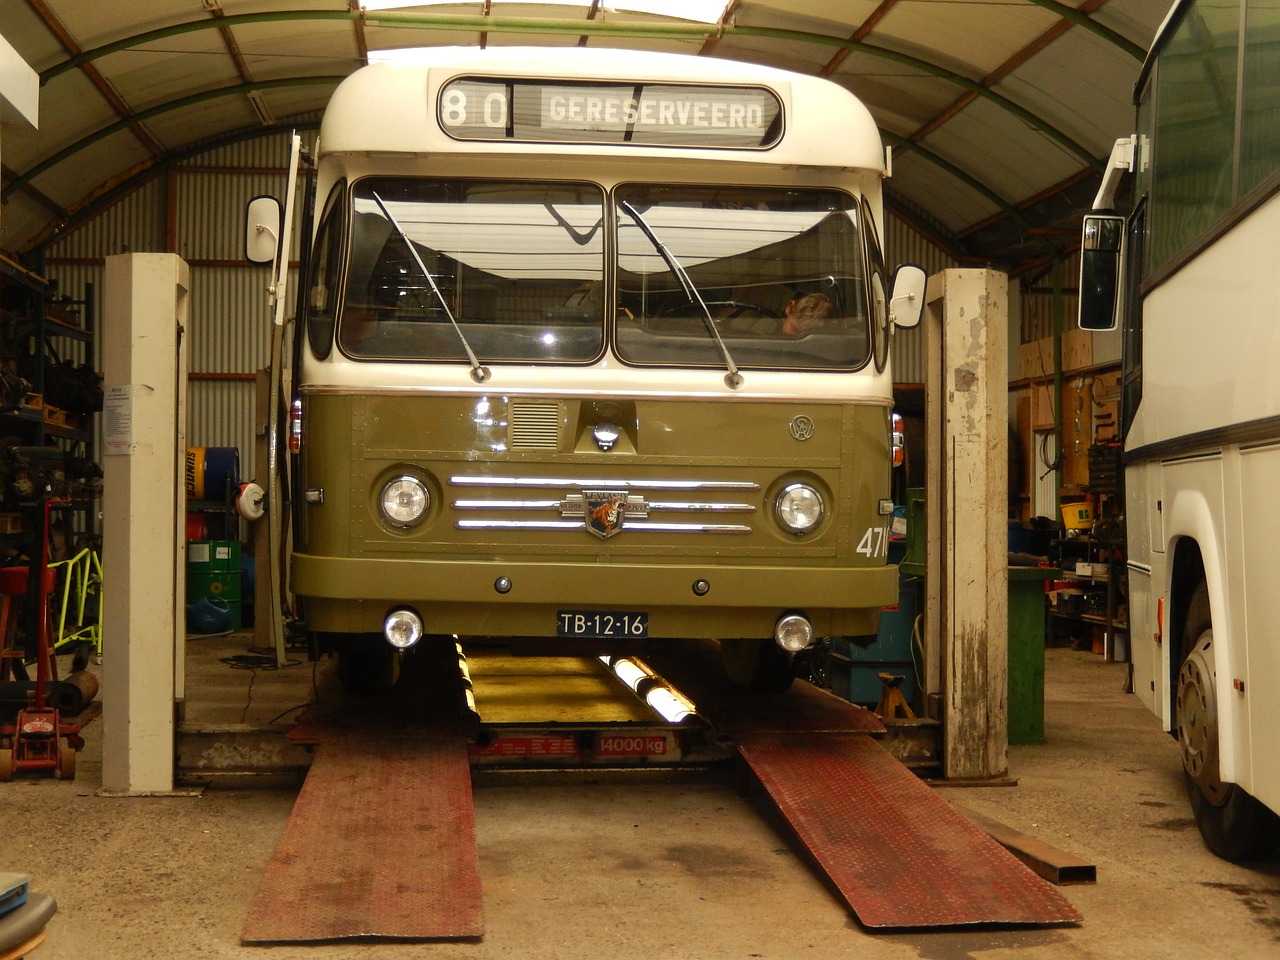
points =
(593, 348)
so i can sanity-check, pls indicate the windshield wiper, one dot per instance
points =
(732, 379)
(479, 372)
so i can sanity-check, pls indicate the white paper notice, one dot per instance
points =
(117, 420)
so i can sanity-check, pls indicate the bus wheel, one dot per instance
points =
(365, 671)
(1233, 824)
(758, 665)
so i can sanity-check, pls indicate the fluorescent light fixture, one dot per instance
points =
(699, 11)
(662, 698)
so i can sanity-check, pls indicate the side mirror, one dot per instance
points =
(906, 299)
(264, 225)
(1100, 244)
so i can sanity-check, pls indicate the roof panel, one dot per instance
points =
(901, 98)
(82, 174)
(772, 52)
(1086, 87)
(155, 74)
(59, 127)
(1015, 160)
(179, 128)
(94, 24)
(29, 36)
(811, 16)
(969, 37)
(947, 199)
(273, 50)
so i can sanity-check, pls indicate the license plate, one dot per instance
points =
(602, 624)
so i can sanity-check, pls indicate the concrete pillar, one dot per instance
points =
(966, 604)
(145, 316)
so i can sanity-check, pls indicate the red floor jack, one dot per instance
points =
(33, 741)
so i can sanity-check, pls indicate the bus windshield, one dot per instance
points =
(516, 268)
(780, 271)
(516, 271)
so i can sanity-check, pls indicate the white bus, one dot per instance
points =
(1193, 277)
(593, 348)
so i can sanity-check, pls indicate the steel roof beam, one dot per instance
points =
(599, 28)
(193, 100)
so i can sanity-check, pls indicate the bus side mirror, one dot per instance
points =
(1100, 244)
(906, 299)
(264, 225)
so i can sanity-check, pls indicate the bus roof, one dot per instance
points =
(385, 108)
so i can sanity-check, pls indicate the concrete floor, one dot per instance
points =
(674, 868)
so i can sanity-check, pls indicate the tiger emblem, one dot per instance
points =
(605, 512)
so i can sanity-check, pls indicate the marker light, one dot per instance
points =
(295, 427)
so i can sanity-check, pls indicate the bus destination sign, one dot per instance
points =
(671, 115)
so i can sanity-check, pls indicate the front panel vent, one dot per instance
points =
(534, 425)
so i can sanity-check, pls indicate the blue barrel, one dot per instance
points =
(221, 472)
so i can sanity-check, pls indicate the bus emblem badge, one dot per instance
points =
(605, 512)
(801, 427)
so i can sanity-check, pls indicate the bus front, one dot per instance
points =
(586, 394)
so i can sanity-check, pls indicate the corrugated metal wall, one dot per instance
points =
(905, 245)
(196, 210)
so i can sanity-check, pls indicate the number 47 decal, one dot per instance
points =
(875, 542)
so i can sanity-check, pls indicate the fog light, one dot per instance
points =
(793, 633)
(402, 628)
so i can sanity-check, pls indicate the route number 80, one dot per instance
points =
(492, 110)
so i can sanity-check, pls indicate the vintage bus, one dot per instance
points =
(1191, 275)
(593, 348)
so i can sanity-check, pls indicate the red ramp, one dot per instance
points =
(900, 855)
(381, 844)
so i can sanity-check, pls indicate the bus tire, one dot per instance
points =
(758, 665)
(1233, 824)
(367, 671)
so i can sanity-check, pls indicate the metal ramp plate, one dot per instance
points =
(381, 843)
(900, 855)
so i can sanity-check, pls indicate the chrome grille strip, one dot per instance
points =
(614, 483)
(692, 506)
(647, 526)
(507, 504)
(581, 501)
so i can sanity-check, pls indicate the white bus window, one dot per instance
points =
(510, 266)
(754, 256)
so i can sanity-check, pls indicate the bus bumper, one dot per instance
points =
(525, 599)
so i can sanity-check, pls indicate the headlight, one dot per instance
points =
(799, 508)
(404, 501)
